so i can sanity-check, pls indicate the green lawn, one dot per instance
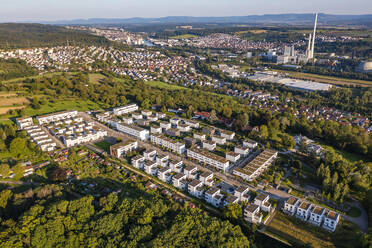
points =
(298, 232)
(95, 78)
(184, 36)
(354, 212)
(104, 145)
(50, 74)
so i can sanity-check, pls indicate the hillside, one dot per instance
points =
(19, 35)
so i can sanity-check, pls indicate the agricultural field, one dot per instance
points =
(298, 232)
(11, 101)
(96, 78)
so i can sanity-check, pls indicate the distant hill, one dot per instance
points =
(20, 35)
(293, 19)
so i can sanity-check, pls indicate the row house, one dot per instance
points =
(190, 171)
(165, 125)
(231, 199)
(150, 167)
(162, 160)
(184, 128)
(156, 130)
(164, 174)
(179, 181)
(227, 134)
(24, 122)
(250, 144)
(150, 154)
(193, 124)
(200, 136)
(176, 166)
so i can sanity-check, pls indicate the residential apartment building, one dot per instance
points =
(150, 167)
(227, 134)
(199, 136)
(331, 220)
(303, 211)
(258, 165)
(243, 151)
(171, 144)
(164, 174)
(242, 193)
(45, 119)
(138, 162)
(208, 158)
(262, 200)
(209, 145)
(134, 131)
(219, 140)
(250, 143)
(150, 155)
(125, 109)
(252, 214)
(207, 178)
(291, 205)
(190, 171)
(179, 181)
(213, 196)
(317, 215)
(24, 122)
(162, 160)
(232, 156)
(195, 188)
(120, 149)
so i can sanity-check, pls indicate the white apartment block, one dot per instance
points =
(191, 123)
(146, 113)
(175, 121)
(120, 149)
(219, 140)
(137, 116)
(150, 155)
(155, 130)
(232, 156)
(160, 115)
(152, 118)
(252, 214)
(164, 174)
(227, 134)
(317, 215)
(291, 205)
(135, 131)
(303, 211)
(195, 188)
(138, 162)
(176, 166)
(262, 200)
(83, 137)
(162, 160)
(258, 165)
(171, 144)
(199, 136)
(150, 167)
(242, 193)
(231, 199)
(103, 117)
(331, 220)
(208, 158)
(213, 196)
(24, 122)
(125, 109)
(243, 151)
(165, 125)
(44, 119)
(207, 178)
(184, 128)
(209, 145)
(179, 181)
(250, 143)
(127, 120)
(190, 171)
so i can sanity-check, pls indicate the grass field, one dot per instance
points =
(104, 145)
(184, 36)
(50, 74)
(13, 101)
(95, 78)
(301, 233)
(328, 79)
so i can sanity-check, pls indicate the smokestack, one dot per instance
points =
(308, 51)
(312, 47)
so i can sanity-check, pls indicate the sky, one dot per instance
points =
(52, 10)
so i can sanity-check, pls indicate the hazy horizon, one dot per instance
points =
(51, 10)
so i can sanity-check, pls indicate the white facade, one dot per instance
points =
(138, 162)
(195, 188)
(227, 135)
(213, 196)
(165, 125)
(190, 171)
(317, 215)
(125, 109)
(232, 156)
(162, 160)
(241, 192)
(24, 122)
(209, 145)
(164, 174)
(208, 158)
(243, 151)
(250, 144)
(252, 214)
(303, 211)
(200, 136)
(135, 131)
(331, 220)
(207, 178)
(44, 119)
(171, 144)
(219, 140)
(179, 180)
(291, 205)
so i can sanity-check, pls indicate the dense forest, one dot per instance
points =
(14, 35)
(51, 216)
